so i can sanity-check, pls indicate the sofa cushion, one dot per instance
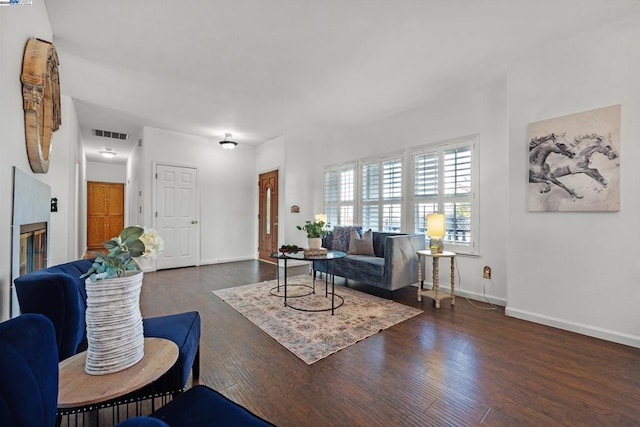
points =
(361, 245)
(341, 237)
(363, 263)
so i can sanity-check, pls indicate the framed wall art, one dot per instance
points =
(574, 162)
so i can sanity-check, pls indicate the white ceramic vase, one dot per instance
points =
(115, 335)
(315, 242)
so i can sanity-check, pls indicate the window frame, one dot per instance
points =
(340, 204)
(381, 201)
(408, 199)
(472, 247)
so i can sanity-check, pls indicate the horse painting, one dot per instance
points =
(585, 146)
(539, 170)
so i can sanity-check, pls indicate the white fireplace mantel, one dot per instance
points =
(31, 204)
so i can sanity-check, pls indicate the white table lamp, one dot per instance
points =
(435, 231)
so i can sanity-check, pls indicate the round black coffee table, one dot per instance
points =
(329, 258)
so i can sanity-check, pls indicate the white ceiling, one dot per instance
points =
(264, 68)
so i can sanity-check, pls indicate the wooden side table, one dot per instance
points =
(83, 392)
(435, 293)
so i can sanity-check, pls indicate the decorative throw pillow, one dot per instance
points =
(361, 245)
(341, 235)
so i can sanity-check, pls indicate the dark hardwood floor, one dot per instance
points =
(458, 366)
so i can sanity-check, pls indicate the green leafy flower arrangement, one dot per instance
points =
(315, 228)
(122, 251)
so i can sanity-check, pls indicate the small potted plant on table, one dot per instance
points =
(316, 230)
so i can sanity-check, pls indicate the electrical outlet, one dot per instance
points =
(486, 272)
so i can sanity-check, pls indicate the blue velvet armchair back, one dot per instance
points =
(59, 293)
(28, 372)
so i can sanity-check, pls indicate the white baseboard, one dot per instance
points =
(592, 331)
(223, 260)
(290, 263)
(473, 295)
(480, 297)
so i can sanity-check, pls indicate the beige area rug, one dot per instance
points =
(314, 335)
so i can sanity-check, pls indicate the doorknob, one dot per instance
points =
(194, 222)
(275, 224)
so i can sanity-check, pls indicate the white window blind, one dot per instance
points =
(382, 194)
(339, 184)
(387, 194)
(443, 182)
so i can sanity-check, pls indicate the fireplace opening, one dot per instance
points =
(33, 247)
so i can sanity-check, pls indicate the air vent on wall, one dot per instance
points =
(110, 134)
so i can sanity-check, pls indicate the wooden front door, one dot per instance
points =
(268, 214)
(105, 212)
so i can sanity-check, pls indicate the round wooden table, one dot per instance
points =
(77, 389)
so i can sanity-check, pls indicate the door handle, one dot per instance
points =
(275, 224)
(194, 222)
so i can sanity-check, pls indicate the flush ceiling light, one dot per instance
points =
(226, 143)
(108, 153)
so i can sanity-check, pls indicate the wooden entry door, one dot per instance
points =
(268, 214)
(105, 212)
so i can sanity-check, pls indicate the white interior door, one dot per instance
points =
(176, 215)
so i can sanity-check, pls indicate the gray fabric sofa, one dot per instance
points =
(394, 266)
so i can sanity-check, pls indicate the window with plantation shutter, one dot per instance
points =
(382, 194)
(339, 194)
(395, 192)
(444, 178)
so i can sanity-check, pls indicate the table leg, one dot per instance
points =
(453, 281)
(333, 288)
(436, 283)
(313, 280)
(278, 272)
(285, 282)
(326, 279)
(420, 281)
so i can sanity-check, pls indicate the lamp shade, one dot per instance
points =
(321, 217)
(435, 225)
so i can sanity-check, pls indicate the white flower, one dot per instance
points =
(153, 243)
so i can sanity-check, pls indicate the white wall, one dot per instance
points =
(134, 172)
(480, 110)
(17, 25)
(227, 187)
(305, 175)
(577, 271)
(62, 177)
(106, 172)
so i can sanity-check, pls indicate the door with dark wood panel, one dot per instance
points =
(105, 212)
(268, 214)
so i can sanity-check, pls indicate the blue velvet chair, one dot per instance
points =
(59, 293)
(29, 372)
(29, 386)
(199, 406)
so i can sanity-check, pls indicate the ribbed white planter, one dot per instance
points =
(114, 324)
(314, 242)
